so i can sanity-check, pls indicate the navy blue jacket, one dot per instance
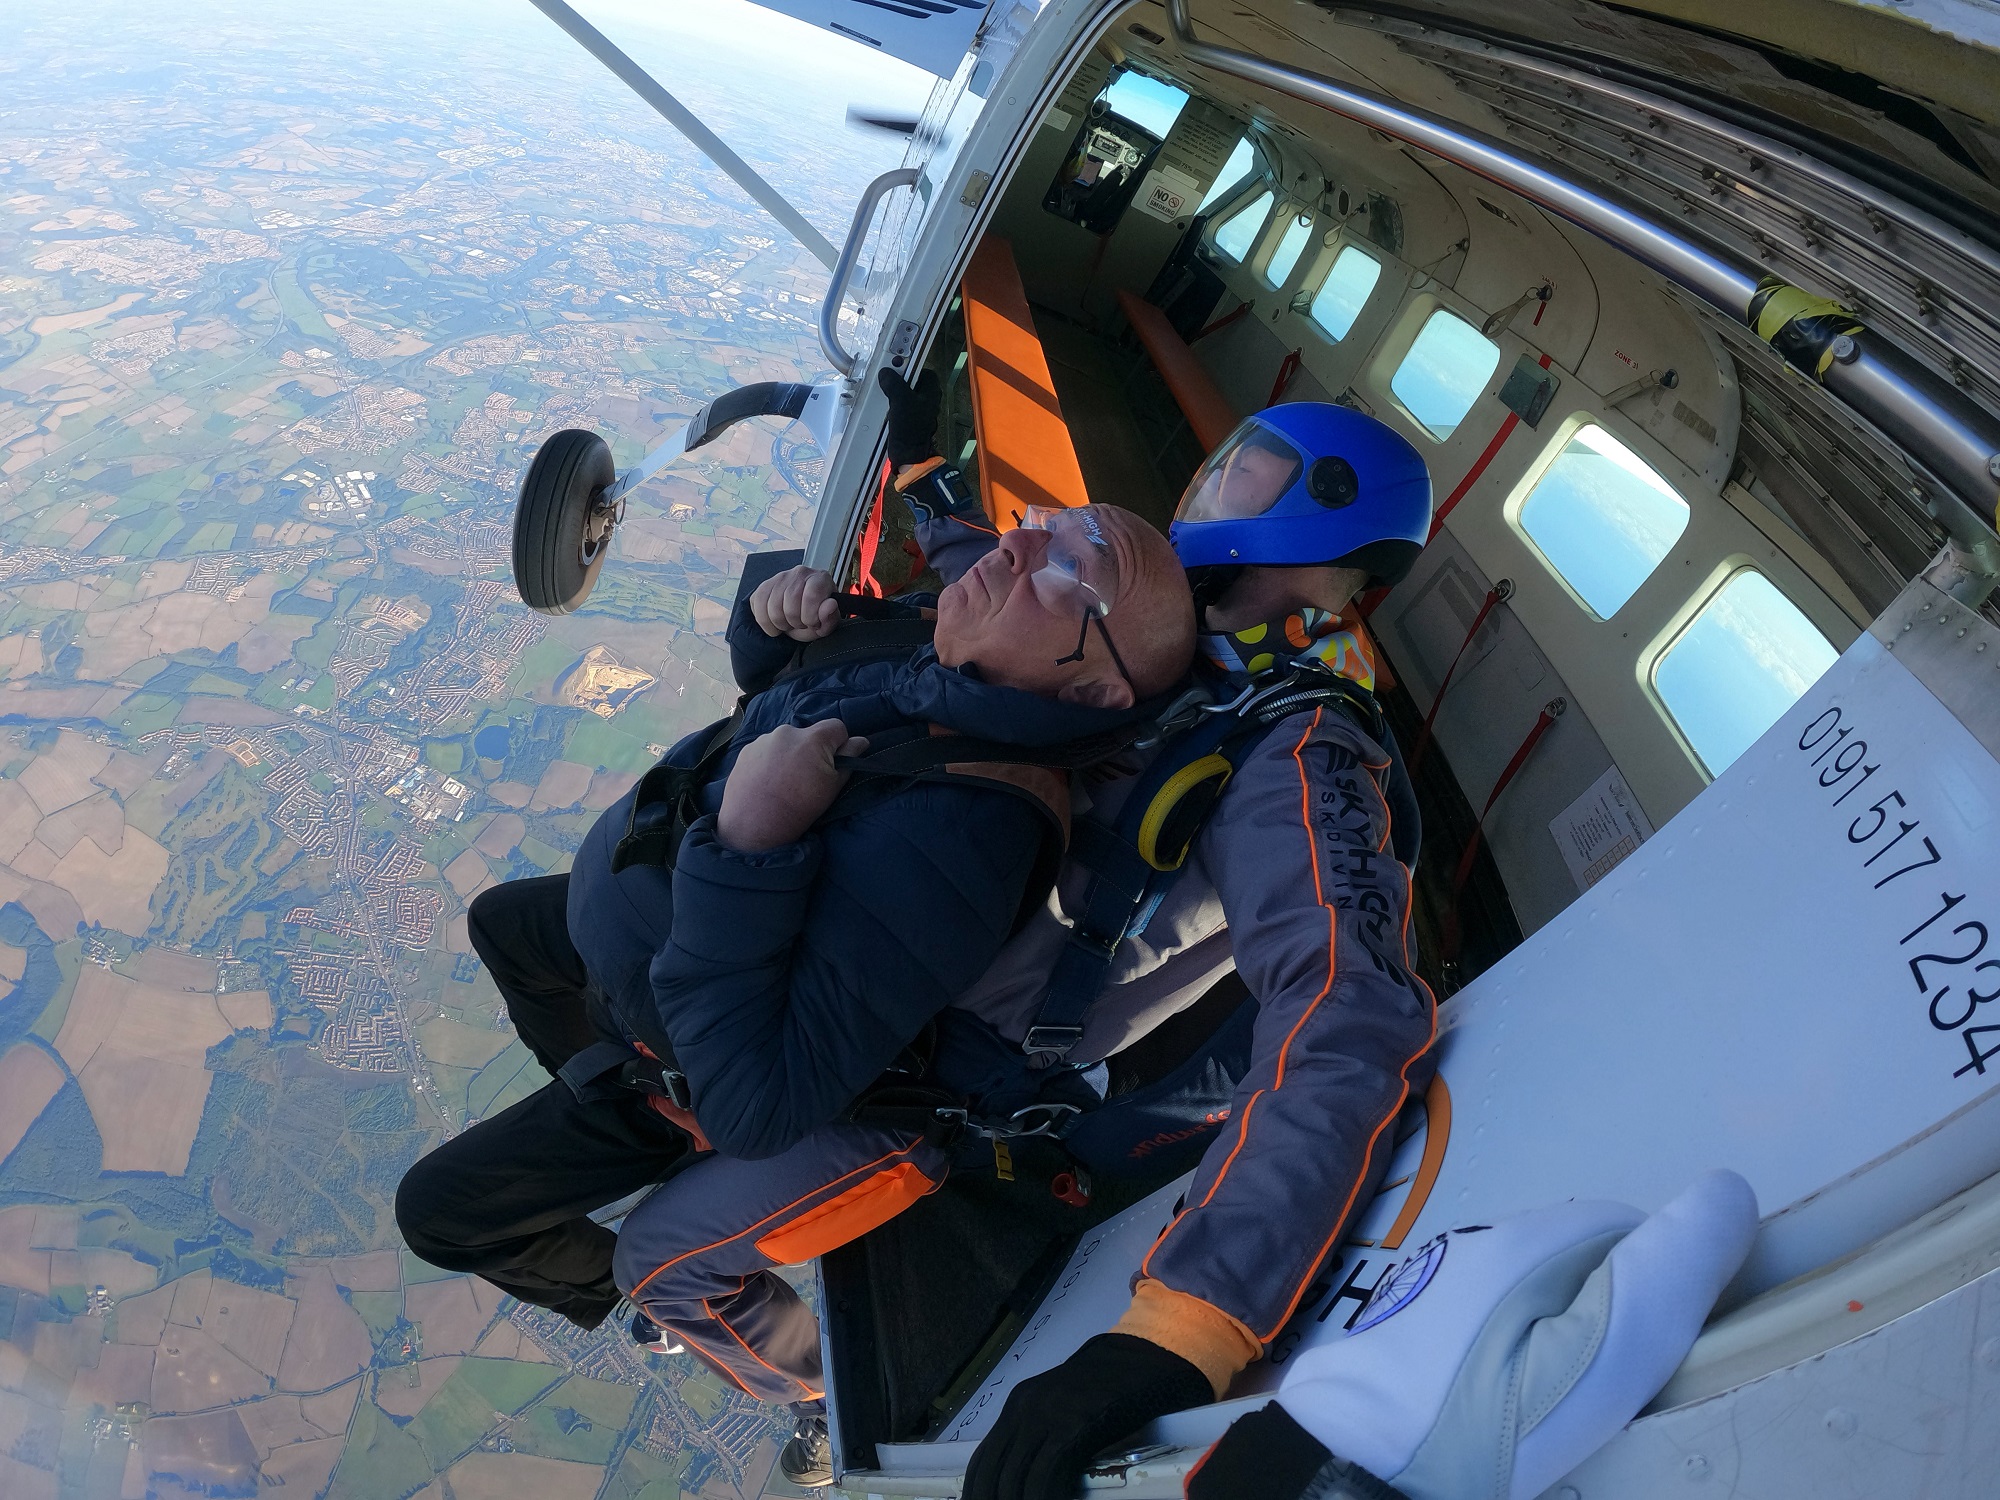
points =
(786, 981)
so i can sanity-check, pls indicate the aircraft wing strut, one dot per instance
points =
(685, 121)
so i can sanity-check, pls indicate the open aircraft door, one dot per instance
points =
(573, 496)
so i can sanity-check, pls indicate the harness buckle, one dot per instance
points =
(646, 1076)
(1056, 1039)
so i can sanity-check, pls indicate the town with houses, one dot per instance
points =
(283, 316)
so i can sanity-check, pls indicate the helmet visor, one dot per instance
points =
(1245, 477)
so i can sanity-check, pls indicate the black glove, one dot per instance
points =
(1053, 1425)
(1263, 1456)
(913, 416)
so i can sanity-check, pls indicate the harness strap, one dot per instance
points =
(1037, 776)
(656, 839)
(606, 1069)
(919, 755)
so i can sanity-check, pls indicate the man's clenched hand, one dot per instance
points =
(798, 603)
(782, 782)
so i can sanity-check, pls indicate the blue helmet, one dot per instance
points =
(1303, 483)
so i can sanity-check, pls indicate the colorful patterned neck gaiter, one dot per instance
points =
(1307, 632)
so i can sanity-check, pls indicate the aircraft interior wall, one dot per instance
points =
(1442, 240)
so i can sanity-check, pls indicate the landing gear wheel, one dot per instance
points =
(562, 527)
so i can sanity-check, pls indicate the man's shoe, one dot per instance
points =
(654, 1339)
(807, 1457)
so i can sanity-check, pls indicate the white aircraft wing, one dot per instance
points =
(930, 34)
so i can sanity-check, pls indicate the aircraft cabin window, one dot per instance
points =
(1746, 657)
(1290, 248)
(1233, 172)
(1146, 102)
(1239, 232)
(1345, 291)
(1444, 372)
(1113, 150)
(1602, 519)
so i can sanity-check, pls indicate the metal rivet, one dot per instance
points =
(1993, 466)
(1840, 1422)
(1569, 1492)
(1844, 349)
(1960, 635)
(1696, 1468)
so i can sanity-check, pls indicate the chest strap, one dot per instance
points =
(664, 803)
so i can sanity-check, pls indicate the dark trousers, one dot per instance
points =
(509, 1198)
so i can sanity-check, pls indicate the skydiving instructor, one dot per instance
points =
(1300, 877)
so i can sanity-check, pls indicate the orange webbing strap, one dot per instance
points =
(1025, 453)
(871, 538)
(1500, 592)
(844, 1218)
(1209, 415)
(1551, 711)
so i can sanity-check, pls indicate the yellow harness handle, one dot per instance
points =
(1170, 796)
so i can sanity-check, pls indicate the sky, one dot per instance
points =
(755, 39)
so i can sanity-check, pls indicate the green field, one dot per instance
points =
(381, 1460)
(297, 303)
(217, 842)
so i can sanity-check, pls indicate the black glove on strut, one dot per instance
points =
(1053, 1425)
(913, 416)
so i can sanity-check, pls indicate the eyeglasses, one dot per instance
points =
(1079, 574)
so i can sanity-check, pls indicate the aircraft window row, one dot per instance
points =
(1231, 176)
(1344, 291)
(1602, 519)
(1748, 654)
(1239, 233)
(1290, 248)
(1443, 374)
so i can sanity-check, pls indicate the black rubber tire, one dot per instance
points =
(570, 468)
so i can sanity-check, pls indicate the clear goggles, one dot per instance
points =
(1079, 571)
(1243, 478)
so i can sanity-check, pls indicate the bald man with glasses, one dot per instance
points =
(753, 937)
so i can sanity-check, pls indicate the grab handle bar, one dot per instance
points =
(843, 268)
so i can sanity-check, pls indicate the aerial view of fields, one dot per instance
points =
(288, 295)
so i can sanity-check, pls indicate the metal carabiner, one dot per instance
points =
(1056, 1113)
(1250, 690)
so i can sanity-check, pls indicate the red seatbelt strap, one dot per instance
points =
(1478, 464)
(1286, 371)
(1551, 711)
(1499, 593)
(871, 537)
(1240, 311)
